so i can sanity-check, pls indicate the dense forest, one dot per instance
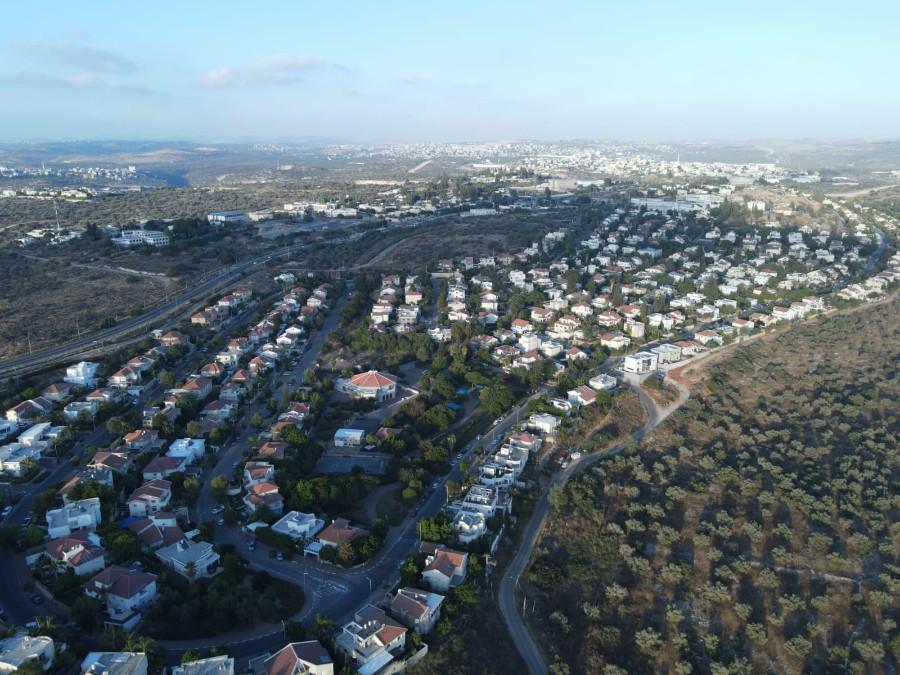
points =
(757, 530)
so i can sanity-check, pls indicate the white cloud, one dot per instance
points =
(69, 53)
(281, 69)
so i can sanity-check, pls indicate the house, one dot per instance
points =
(416, 609)
(298, 658)
(199, 388)
(191, 559)
(371, 641)
(157, 530)
(20, 648)
(124, 378)
(80, 551)
(173, 339)
(80, 515)
(142, 439)
(213, 370)
(469, 525)
(111, 461)
(272, 450)
(97, 475)
(59, 391)
(264, 494)
(258, 472)
(299, 525)
(371, 384)
(582, 395)
(640, 363)
(160, 467)
(544, 423)
(124, 591)
(213, 665)
(615, 340)
(540, 315)
(29, 409)
(114, 663)
(444, 567)
(151, 497)
(602, 382)
(667, 353)
(338, 532)
(82, 374)
(190, 449)
(345, 438)
(73, 411)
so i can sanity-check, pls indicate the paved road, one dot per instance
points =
(508, 584)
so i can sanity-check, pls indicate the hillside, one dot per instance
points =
(757, 530)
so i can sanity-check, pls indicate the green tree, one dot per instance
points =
(496, 400)
(218, 486)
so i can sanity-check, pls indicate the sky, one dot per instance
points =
(379, 72)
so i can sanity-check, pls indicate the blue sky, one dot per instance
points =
(456, 71)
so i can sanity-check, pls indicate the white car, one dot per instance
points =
(7, 510)
(216, 511)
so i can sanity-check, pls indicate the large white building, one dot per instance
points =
(140, 237)
(299, 525)
(83, 374)
(17, 650)
(641, 363)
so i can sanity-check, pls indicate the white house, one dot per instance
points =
(83, 374)
(81, 515)
(299, 525)
(185, 554)
(444, 567)
(125, 592)
(115, 663)
(17, 650)
(191, 449)
(371, 640)
(640, 363)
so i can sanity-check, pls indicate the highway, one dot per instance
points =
(93, 342)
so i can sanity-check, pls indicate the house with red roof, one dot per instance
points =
(124, 591)
(444, 567)
(372, 384)
(300, 658)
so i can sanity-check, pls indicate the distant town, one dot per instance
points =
(321, 470)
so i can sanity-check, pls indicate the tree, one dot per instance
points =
(86, 613)
(119, 426)
(257, 421)
(167, 379)
(219, 486)
(191, 489)
(496, 400)
(190, 570)
(193, 429)
(122, 545)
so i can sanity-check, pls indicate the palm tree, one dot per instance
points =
(190, 570)
(43, 625)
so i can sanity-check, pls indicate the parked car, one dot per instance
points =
(7, 510)
(279, 556)
(272, 552)
(26, 521)
(220, 522)
(216, 511)
(37, 598)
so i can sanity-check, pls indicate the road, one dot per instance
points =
(510, 581)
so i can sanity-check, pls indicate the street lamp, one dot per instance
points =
(304, 581)
(370, 585)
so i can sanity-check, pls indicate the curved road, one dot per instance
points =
(510, 581)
